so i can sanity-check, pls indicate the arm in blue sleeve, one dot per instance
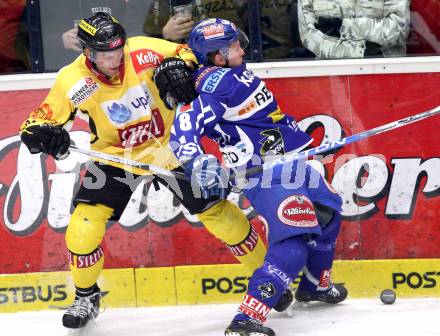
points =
(192, 123)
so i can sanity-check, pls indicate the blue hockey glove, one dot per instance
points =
(209, 175)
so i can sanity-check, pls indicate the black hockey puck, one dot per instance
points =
(388, 296)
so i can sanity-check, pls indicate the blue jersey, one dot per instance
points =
(236, 109)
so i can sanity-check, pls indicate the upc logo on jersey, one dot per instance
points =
(136, 135)
(135, 104)
(119, 113)
(82, 90)
(297, 210)
(212, 31)
(145, 59)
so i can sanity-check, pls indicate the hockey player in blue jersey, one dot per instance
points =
(235, 108)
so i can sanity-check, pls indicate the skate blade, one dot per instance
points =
(75, 332)
(290, 311)
(235, 333)
(81, 331)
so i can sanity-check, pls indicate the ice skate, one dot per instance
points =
(83, 309)
(247, 328)
(335, 293)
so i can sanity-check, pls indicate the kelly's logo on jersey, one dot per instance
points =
(82, 90)
(136, 135)
(144, 59)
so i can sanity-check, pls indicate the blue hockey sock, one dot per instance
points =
(283, 262)
(317, 273)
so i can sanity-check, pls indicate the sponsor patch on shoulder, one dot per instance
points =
(213, 80)
(82, 90)
(43, 112)
(144, 59)
(297, 210)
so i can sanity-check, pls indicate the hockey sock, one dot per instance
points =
(284, 260)
(83, 292)
(317, 273)
(229, 224)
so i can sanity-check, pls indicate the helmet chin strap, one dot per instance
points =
(92, 56)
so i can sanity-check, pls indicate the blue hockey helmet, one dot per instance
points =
(211, 35)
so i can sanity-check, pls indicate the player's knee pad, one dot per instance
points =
(226, 222)
(87, 227)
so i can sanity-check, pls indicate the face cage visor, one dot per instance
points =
(244, 42)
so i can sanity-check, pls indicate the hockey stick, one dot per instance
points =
(341, 142)
(127, 162)
(286, 158)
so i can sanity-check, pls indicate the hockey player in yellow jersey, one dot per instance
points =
(114, 83)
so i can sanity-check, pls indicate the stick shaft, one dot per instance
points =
(344, 141)
(126, 162)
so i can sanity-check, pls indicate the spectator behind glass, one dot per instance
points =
(14, 51)
(275, 21)
(354, 29)
(298, 50)
(276, 33)
(163, 23)
(59, 19)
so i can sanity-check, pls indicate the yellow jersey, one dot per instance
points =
(126, 116)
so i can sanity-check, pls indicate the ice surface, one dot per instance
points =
(407, 317)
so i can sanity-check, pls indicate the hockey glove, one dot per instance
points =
(174, 80)
(46, 138)
(329, 26)
(209, 175)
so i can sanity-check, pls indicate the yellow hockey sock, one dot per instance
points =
(229, 224)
